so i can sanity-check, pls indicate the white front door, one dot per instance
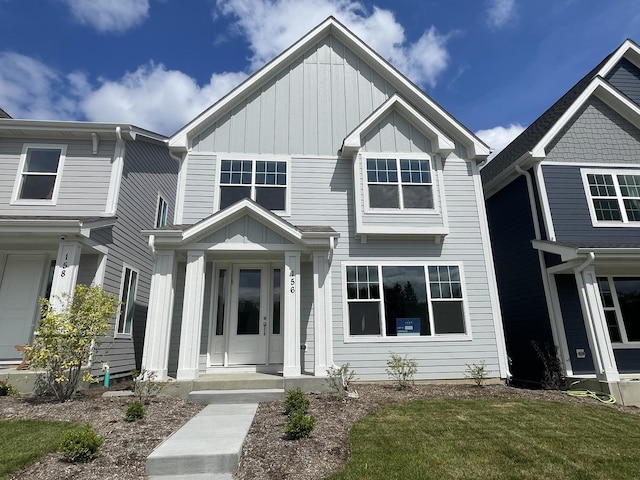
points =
(19, 291)
(249, 315)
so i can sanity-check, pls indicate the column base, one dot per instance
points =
(187, 374)
(291, 372)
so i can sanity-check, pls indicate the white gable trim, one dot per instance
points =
(605, 92)
(442, 144)
(628, 50)
(181, 140)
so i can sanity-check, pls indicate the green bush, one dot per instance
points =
(401, 370)
(340, 378)
(477, 372)
(300, 425)
(135, 411)
(80, 445)
(296, 401)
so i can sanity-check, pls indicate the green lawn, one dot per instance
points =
(24, 441)
(494, 439)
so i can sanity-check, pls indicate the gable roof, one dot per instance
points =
(534, 139)
(180, 141)
(4, 114)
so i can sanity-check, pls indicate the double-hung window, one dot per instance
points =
(621, 302)
(399, 183)
(404, 300)
(128, 301)
(614, 198)
(263, 181)
(39, 175)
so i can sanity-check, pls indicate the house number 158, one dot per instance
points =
(65, 265)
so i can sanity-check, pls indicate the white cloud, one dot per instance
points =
(109, 16)
(151, 97)
(500, 12)
(31, 89)
(499, 137)
(267, 26)
(156, 98)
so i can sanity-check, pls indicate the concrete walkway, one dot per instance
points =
(208, 445)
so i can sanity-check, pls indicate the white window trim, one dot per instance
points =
(447, 337)
(619, 320)
(592, 212)
(15, 200)
(436, 181)
(126, 266)
(256, 158)
(160, 202)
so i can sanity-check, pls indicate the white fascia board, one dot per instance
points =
(477, 149)
(353, 142)
(605, 92)
(566, 253)
(628, 50)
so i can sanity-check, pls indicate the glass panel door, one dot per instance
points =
(249, 281)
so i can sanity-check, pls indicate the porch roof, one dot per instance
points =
(576, 250)
(58, 224)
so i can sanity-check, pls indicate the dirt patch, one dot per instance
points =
(267, 454)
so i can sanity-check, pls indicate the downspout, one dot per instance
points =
(543, 269)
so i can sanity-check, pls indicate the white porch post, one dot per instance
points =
(596, 326)
(65, 274)
(291, 285)
(191, 317)
(322, 314)
(155, 356)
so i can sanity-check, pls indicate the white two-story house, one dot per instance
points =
(328, 212)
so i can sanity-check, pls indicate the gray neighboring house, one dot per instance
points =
(74, 197)
(563, 201)
(328, 212)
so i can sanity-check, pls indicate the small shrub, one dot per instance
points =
(401, 370)
(553, 373)
(477, 372)
(296, 401)
(340, 378)
(145, 385)
(135, 411)
(6, 389)
(300, 425)
(80, 445)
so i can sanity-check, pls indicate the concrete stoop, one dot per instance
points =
(217, 397)
(207, 447)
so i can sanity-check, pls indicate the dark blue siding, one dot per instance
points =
(524, 309)
(625, 76)
(628, 360)
(574, 327)
(570, 211)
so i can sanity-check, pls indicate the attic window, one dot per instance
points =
(399, 183)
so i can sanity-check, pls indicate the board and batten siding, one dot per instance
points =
(306, 109)
(148, 170)
(84, 182)
(329, 182)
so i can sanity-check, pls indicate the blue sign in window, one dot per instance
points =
(407, 326)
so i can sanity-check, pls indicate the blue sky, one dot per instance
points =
(496, 65)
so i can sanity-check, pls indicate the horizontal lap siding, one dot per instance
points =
(625, 76)
(84, 182)
(148, 170)
(199, 188)
(328, 182)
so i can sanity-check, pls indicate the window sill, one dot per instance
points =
(32, 202)
(626, 346)
(616, 225)
(123, 336)
(401, 211)
(457, 337)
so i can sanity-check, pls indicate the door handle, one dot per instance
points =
(264, 327)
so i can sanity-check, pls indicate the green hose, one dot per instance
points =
(600, 396)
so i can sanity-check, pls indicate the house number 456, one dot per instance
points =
(293, 285)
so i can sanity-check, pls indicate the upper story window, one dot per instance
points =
(614, 198)
(399, 183)
(263, 181)
(404, 300)
(39, 173)
(161, 212)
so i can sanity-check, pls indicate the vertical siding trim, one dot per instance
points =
(116, 175)
(501, 344)
(178, 213)
(544, 202)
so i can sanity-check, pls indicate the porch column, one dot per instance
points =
(191, 317)
(65, 273)
(155, 356)
(322, 303)
(596, 326)
(291, 285)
